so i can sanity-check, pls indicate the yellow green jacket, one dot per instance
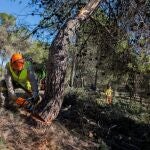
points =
(108, 92)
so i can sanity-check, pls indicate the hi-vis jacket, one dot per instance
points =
(108, 92)
(26, 79)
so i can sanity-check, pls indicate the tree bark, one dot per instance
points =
(57, 64)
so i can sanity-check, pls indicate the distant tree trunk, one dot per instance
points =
(97, 66)
(96, 77)
(57, 64)
(73, 66)
(82, 82)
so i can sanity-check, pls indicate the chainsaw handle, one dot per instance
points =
(30, 99)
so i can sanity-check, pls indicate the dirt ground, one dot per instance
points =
(19, 132)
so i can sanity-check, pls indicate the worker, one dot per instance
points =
(18, 74)
(108, 94)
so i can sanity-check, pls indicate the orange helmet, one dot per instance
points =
(17, 61)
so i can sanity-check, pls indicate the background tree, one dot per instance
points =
(12, 37)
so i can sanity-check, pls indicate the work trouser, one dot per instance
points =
(5, 100)
(109, 99)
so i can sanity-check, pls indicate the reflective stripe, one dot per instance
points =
(22, 78)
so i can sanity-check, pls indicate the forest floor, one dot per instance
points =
(81, 125)
(19, 132)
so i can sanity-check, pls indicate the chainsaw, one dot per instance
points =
(29, 105)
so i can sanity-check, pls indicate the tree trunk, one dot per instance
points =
(57, 64)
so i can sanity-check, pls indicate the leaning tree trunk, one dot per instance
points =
(57, 64)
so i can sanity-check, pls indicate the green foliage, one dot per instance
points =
(12, 38)
(80, 93)
(7, 19)
(143, 63)
(122, 45)
(38, 52)
(101, 17)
